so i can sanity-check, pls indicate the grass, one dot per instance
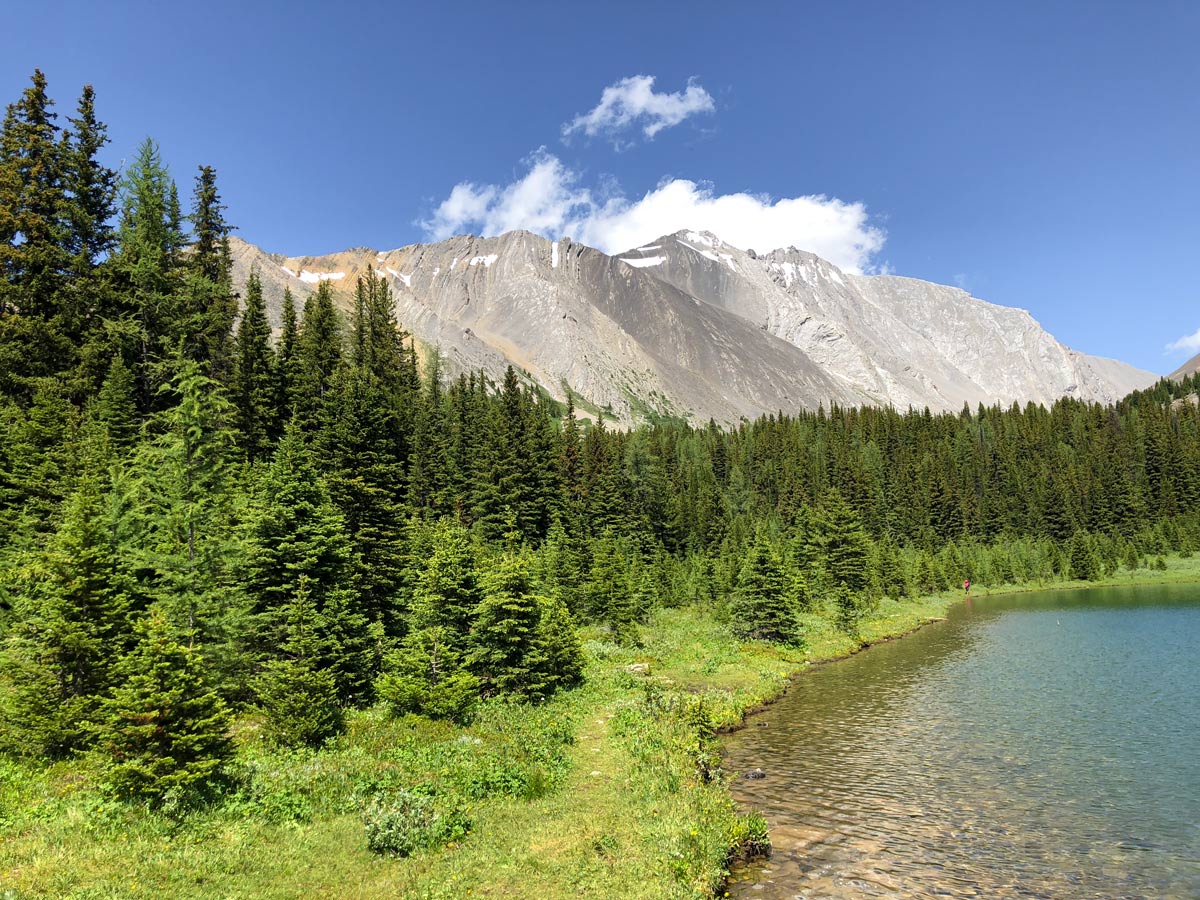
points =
(606, 790)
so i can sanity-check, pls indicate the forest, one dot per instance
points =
(203, 522)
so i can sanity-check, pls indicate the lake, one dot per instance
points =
(1041, 745)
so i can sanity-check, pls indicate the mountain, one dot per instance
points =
(691, 326)
(903, 341)
(1191, 367)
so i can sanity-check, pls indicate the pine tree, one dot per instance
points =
(184, 482)
(762, 607)
(166, 730)
(295, 539)
(72, 624)
(447, 594)
(507, 651)
(1085, 564)
(607, 591)
(207, 307)
(254, 376)
(844, 546)
(318, 356)
(351, 646)
(91, 187)
(558, 640)
(299, 697)
(146, 265)
(426, 675)
(286, 367)
(34, 238)
(116, 406)
(357, 445)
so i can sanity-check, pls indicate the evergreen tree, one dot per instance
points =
(34, 244)
(299, 697)
(184, 481)
(206, 307)
(426, 675)
(1085, 564)
(559, 641)
(762, 607)
(295, 542)
(507, 650)
(254, 377)
(318, 355)
(91, 188)
(72, 625)
(287, 377)
(844, 546)
(116, 405)
(166, 730)
(357, 445)
(146, 264)
(448, 593)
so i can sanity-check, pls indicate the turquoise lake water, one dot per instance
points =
(1037, 746)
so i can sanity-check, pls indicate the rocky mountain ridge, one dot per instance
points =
(690, 326)
(1191, 367)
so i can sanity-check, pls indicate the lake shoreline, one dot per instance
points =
(1180, 571)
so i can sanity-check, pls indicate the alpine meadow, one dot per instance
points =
(294, 603)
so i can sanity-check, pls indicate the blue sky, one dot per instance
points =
(1041, 155)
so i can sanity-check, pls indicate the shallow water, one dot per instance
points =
(1041, 745)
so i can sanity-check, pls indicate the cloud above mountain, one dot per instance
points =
(633, 101)
(1189, 343)
(551, 200)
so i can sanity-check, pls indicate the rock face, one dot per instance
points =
(1191, 367)
(900, 340)
(692, 327)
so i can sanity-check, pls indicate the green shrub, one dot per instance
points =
(749, 837)
(401, 823)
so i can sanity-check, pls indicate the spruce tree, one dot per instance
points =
(318, 355)
(844, 546)
(762, 607)
(165, 730)
(34, 258)
(91, 187)
(426, 675)
(207, 307)
(1085, 564)
(448, 593)
(116, 404)
(35, 341)
(72, 624)
(294, 538)
(184, 494)
(146, 265)
(298, 695)
(254, 376)
(507, 651)
(558, 639)
(286, 367)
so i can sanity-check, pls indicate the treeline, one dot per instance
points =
(201, 518)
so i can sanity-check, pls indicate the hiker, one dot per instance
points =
(967, 586)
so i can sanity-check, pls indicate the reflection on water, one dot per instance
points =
(1045, 745)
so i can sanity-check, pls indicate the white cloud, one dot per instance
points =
(1189, 343)
(549, 200)
(542, 201)
(633, 100)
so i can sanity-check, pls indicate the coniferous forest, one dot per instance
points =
(203, 522)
